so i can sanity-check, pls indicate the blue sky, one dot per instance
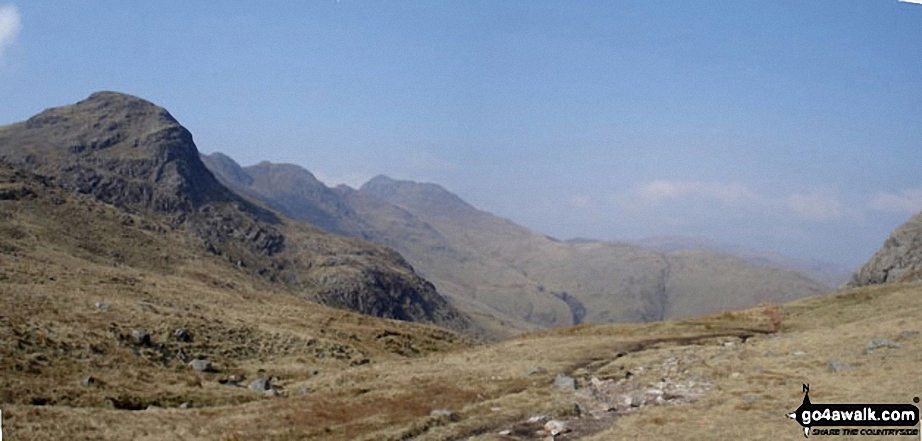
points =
(783, 125)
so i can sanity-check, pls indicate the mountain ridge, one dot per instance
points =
(502, 273)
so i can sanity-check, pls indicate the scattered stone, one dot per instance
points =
(185, 405)
(838, 366)
(183, 335)
(506, 432)
(798, 353)
(201, 365)
(595, 382)
(750, 398)
(907, 334)
(536, 370)
(272, 392)
(88, 381)
(152, 407)
(555, 427)
(441, 413)
(495, 409)
(537, 419)
(735, 375)
(140, 337)
(877, 344)
(565, 382)
(101, 306)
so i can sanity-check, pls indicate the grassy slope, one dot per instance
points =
(51, 337)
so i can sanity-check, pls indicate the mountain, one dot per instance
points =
(105, 307)
(828, 273)
(898, 260)
(510, 279)
(130, 153)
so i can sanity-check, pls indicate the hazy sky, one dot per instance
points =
(793, 126)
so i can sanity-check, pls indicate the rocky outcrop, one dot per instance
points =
(899, 260)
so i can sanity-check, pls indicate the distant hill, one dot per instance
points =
(828, 273)
(510, 278)
(130, 153)
(898, 260)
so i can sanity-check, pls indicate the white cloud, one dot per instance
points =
(918, 2)
(662, 191)
(815, 206)
(9, 26)
(908, 201)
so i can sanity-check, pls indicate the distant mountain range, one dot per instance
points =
(507, 277)
(829, 273)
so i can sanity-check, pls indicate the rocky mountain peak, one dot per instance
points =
(118, 147)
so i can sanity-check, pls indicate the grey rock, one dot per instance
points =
(201, 365)
(101, 306)
(838, 366)
(152, 407)
(898, 260)
(185, 405)
(555, 427)
(140, 337)
(565, 382)
(506, 432)
(536, 370)
(88, 381)
(183, 335)
(908, 334)
(441, 413)
(261, 384)
(273, 392)
(877, 344)
(750, 398)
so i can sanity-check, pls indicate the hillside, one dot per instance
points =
(898, 260)
(509, 278)
(130, 153)
(75, 363)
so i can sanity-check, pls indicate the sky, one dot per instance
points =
(781, 125)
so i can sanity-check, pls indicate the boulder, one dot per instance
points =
(565, 382)
(536, 370)
(182, 335)
(201, 365)
(555, 427)
(140, 337)
(261, 384)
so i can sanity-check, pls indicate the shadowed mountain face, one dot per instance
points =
(132, 154)
(509, 278)
(898, 260)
